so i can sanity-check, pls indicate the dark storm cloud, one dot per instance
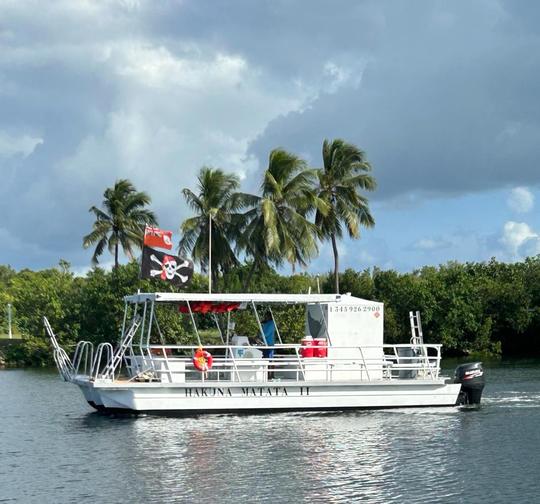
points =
(59, 107)
(287, 38)
(447, 104)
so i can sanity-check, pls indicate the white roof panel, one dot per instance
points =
(172, 297)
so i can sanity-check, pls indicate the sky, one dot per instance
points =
(441, 95)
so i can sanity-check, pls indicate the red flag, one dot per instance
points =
(155, 237)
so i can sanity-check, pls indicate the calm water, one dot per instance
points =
(53, 448)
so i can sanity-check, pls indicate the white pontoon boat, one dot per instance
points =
(339, 363)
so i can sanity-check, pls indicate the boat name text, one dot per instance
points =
(243, 391)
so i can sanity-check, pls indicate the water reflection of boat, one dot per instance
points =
(341, 362)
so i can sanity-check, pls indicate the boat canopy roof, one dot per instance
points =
(172, 297)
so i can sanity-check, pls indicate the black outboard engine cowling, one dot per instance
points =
(471, 377)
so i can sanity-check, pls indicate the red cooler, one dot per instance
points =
(320, 347)
(307, 347)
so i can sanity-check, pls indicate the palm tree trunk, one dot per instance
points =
(215, 279)
(116, 255)
(336, 262)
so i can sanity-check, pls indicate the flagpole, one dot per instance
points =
(210, 253)
(142, 250)
(9, 321)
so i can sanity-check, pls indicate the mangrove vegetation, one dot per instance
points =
(481, 308)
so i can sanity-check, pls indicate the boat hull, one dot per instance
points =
(197, 398)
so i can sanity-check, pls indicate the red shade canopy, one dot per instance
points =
(208, 307)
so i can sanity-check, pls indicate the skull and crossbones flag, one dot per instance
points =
(173, 269)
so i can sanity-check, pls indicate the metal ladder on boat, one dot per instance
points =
(417, 340)
(417, 337)
(117, 357)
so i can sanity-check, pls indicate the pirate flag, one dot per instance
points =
(173, 269)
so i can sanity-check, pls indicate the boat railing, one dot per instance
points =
(83, 358)
(104, 355)
(173, 363)
(61, 358)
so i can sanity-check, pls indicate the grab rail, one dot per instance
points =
(84, 353)
(98, 368)
(61, 359)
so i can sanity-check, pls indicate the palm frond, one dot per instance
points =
(100, 230)
(362, 181)
(193, 201)
(217, 197)
(100, 247)
(100, 214)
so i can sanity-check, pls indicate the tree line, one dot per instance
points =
(484, 308)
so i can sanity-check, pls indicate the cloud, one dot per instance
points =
(428, 244)
(116, 101)
(521, 200)
(519, 240)
(456, 245)
(13, 145)
(82, 271)
(444, 102)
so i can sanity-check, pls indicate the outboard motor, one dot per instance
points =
(471, 377)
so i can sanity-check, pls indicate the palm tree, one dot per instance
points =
(345, 172)
(277, 228)
(122, 221)
(216, 205)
